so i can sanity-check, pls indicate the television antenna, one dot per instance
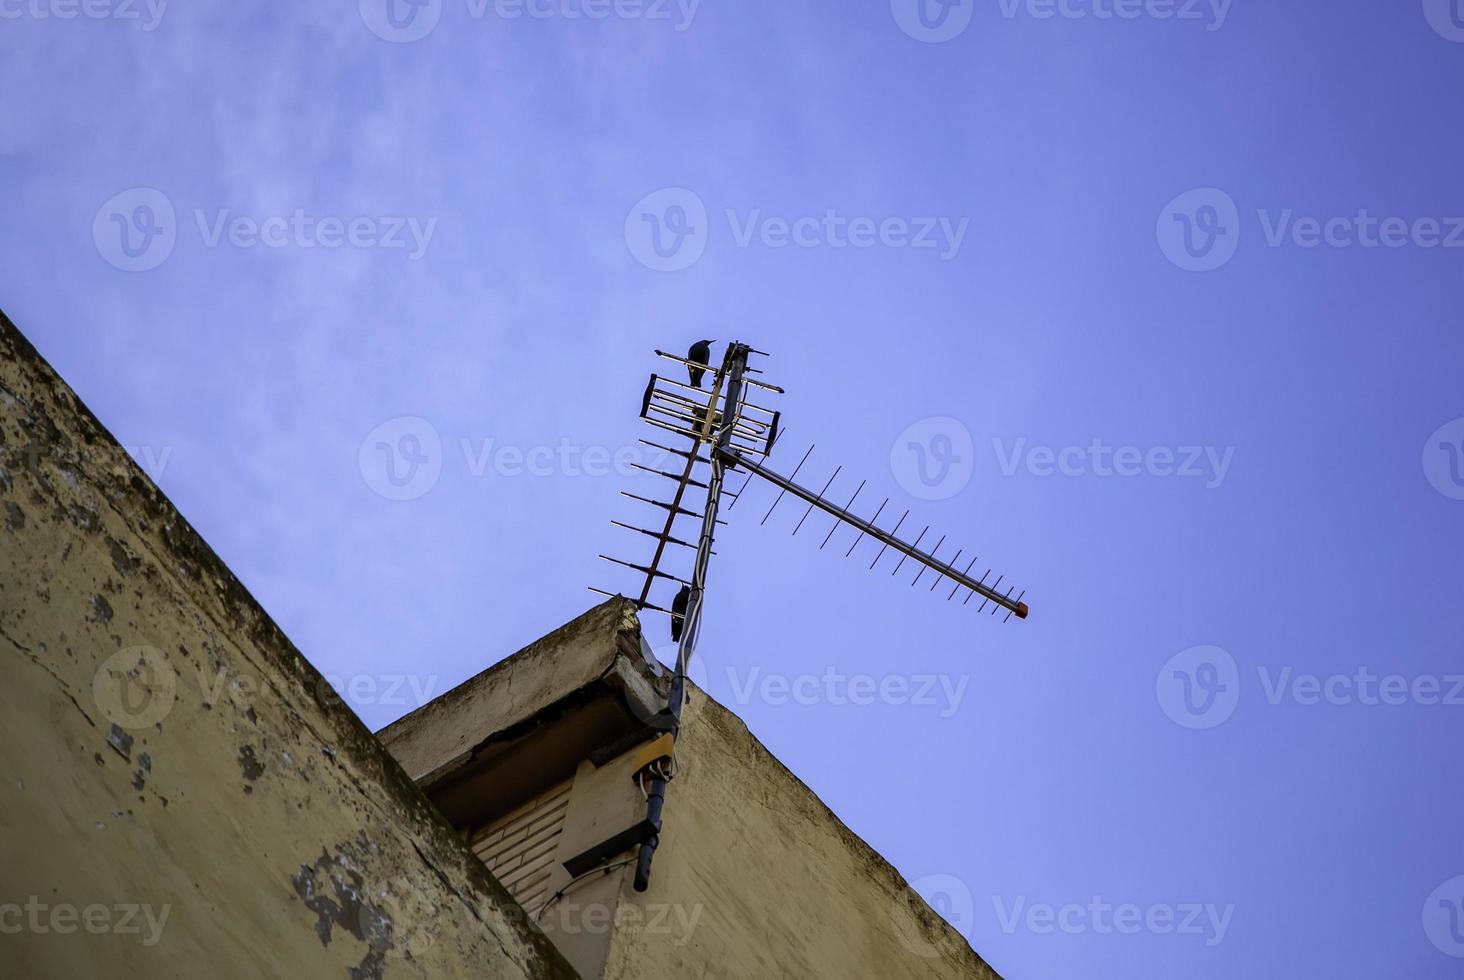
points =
(730, 432)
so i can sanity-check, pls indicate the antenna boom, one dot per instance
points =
(733, 457)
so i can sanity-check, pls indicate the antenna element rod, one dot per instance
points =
(1019, 609)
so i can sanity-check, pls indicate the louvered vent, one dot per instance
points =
(519, 847)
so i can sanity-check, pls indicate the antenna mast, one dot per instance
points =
(728, 432)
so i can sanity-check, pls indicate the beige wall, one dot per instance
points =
(507, 757)
(179, 794)
(771, 881)
(754, 878)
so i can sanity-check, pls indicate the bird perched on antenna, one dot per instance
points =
(701, 353)
(646, 398)
(678, 606)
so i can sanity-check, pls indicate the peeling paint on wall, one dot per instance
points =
(165, 746)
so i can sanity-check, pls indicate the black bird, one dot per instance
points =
(678, 606)
(701, 353)
(646, 398)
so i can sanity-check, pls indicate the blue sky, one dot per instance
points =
(1151, 305)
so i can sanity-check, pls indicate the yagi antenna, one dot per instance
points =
(727, 430)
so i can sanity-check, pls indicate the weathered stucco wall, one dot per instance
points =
(531, 760)
(180, 793)
(755, 877)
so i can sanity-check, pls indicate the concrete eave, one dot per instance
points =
(589, 685)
